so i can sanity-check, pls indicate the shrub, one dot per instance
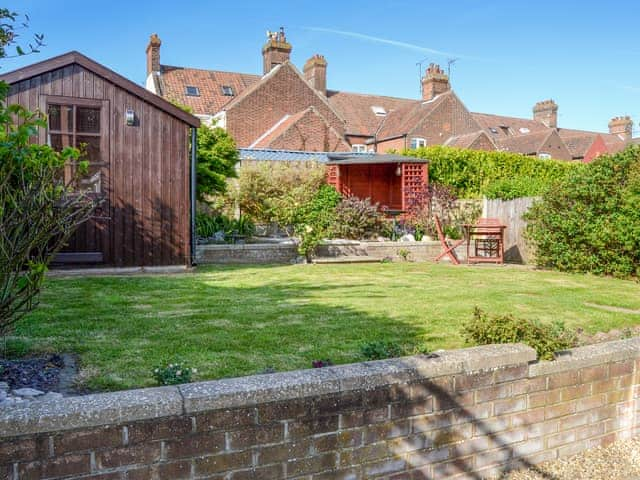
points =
(381, 349)
(508, 189)
(173, 374)
(210, 226)
(216, 161)
(314, 220)
(546, 339)
(471, 172)
(357, 219)
(590, 221)
(270, 191)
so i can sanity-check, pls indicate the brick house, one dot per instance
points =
(286, 109)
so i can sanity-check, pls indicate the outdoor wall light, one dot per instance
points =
(130, 117)
(399, 171)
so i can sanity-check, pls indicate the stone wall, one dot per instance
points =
(250, 253)
(468, 413)
(417, 251)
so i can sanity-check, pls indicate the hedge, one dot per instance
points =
(505, 175)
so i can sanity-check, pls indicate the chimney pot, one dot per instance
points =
(546, 112)
(153, 54)
(434, 82)
(276, 51)
(315, 71)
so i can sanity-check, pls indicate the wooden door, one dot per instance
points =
(84, 124)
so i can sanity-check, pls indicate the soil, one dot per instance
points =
(47, 373)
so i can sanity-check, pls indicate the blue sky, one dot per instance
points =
(585, 55)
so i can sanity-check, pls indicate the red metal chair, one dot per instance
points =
(448, 250)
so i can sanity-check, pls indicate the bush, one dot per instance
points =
(357, 219)
(381, 349)
(471, 172)
(590, 221)
(270, 191)
(546, 339)
(313, 221)
(211, 226)
(173, 374)
(508, 189)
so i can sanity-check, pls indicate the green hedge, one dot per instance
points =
(590, 221)
(476, 173)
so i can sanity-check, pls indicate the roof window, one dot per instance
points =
(379, 111)
(227, 91)
(493, 130)
(524, 130)
(192, 91)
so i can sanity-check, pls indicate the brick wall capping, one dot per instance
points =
(587, 356)
(142, 404)
(90, 411)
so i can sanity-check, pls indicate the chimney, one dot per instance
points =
(546, 112)
(315, 71)
(434, 82)
(621, 126)
(276, 51)
(153, 54)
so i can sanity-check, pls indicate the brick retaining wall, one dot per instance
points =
(469, 413)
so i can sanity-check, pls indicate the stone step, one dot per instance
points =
(346, 259)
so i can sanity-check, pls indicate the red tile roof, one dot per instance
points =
(174, 81)
(356, 109)
(278, 129)
(403, 120)
(464, 141)
(526, 144)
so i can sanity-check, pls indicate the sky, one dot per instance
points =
(584, 55)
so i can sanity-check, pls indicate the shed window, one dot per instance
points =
(192, 91)
(227, 91)
(78, 126)
(417, 142)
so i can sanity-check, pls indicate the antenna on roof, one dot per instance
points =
(419, 65)
(450, 62)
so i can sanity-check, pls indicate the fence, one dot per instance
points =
(510, 213)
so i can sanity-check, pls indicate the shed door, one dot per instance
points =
(84, 124)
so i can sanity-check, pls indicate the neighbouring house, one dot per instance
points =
(285, 108)
(137, 145)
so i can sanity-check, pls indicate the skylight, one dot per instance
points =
(379, 111)
(524, 130)
(192, 91)
(493, 129)
(227, 91)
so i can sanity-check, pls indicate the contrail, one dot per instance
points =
(395, 43)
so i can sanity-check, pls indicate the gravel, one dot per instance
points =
(618, 461)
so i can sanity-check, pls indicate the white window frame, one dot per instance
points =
(358, 148)
(418, 141)
(544, 155)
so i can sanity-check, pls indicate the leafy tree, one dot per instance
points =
(9, 34)
(217, 157)
(590, 221)
(38, 210)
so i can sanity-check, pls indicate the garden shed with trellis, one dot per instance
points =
(140, 164)
(390, 180)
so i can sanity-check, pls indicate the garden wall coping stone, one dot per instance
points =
(90, 410)
(589, 355)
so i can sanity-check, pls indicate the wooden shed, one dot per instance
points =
(390, 180)
(137, 145)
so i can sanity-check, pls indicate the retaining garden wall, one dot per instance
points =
(466, 414)
(250, 253)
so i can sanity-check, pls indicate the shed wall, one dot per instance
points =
(147, 178)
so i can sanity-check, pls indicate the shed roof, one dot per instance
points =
(369, 158)
(74, 57)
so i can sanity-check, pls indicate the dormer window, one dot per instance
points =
(358, 148)
(192, 91)
(506, 130)
(493, 130)
(379, 111)
(418, 142)
(227, 91)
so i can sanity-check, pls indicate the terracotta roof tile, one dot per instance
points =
(355, 108)
(277, 130)
(403, 120)
(464, 141)
(526, 144)
(174, 81)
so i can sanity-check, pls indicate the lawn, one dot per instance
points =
(231, 321)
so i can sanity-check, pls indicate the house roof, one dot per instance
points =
(174, 80)
(405, 119)
(499, 127)
(526, 144)
(74, 57)
(357, 110)
(577, 142)
(466, 140)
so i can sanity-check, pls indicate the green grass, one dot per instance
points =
(231, 321)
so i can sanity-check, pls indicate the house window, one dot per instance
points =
(379, 111)
(227, 91)
(417, 142)
(358, 148)
(544, 155)
(78, 126)
(192, 91)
